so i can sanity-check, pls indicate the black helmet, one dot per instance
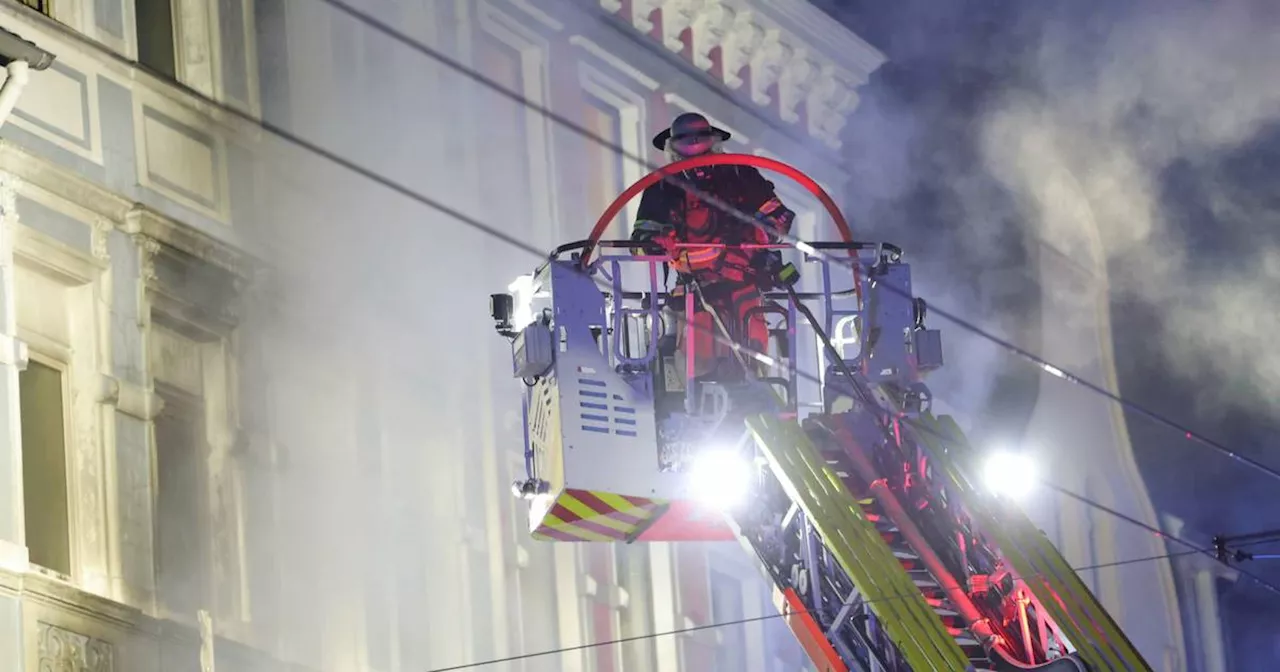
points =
(686, 125)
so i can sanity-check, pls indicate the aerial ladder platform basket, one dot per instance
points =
(859, 503)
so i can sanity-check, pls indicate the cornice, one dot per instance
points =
(785, 56)
(121, 213)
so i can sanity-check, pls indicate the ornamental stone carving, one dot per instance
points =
(831, 100)
(744, 37)
(678, 15)
(797, 78)
(61, 650)
(102, 228)
(795, 58)
(640, 13)
(766, 65)
(148, 248)
(710, 27)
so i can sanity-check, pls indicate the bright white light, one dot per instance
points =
(1009, 473)
(720, 478)
(522, 293)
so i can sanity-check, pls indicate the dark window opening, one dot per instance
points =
(43, 6)
(181, 531)
(44, 466)
(157, 49)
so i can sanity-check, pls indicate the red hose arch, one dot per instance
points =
(715, 160)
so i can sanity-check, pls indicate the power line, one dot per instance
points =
(515, 242)
(401, 189)
(478, 77)
(755, 619)
(1041, 363)
(519, 244)
(1192, 548)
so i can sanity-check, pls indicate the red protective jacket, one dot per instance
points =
(667, 209)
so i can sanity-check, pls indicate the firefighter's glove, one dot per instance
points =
(647, 238)
(771, 272)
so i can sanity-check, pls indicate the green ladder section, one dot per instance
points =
(1073, 607)
(889, 591)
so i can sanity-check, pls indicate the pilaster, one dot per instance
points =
(13, 359)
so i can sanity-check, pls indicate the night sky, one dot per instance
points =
(1168, 115)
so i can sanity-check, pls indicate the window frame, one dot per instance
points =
(686, 581)
(630, 112)
(539, 152)
(40, 350)
(207, 14)
(596, 594)
(166, 392)
(218, 399)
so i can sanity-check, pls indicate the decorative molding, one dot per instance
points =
(100, 235)
(534, 51)
(678, 15)
(642, 12)
(130, 399)
(31, 175)
(616, 63)
(179, 158)
(61, 649)
(63, 107)
(206, 641)
(148, 248)
(54, 258)
(13, 352)
(10, 183)
(740, 42)
(709, 27)
(190, 241)
(64, 183)
(533, 12)
(630, 107)
(798, 62)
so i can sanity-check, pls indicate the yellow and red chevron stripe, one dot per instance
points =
(584, 515)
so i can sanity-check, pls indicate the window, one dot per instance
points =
(601, 616)
(42, 402)
(603, 165)
(726, 607)
(697, 650)
(503, 138)
(204, 44)
(182, 530)
(539, 626)
(534, 626)
(43, 6)
(474, 528)
(635, 621)
(157, 48)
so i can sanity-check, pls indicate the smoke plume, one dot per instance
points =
(1100, 140)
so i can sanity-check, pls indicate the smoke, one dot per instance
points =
(914, 184)
(1131, 131)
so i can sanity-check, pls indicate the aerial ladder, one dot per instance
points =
(863, 508)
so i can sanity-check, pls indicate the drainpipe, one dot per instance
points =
(19, 57)
(19, 73)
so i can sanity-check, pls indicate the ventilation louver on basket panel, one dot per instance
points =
(544, 431)
(603, 411)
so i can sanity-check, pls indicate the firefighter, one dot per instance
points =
(731, 280)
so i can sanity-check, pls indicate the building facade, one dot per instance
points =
(233, 444)
(257, 419)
